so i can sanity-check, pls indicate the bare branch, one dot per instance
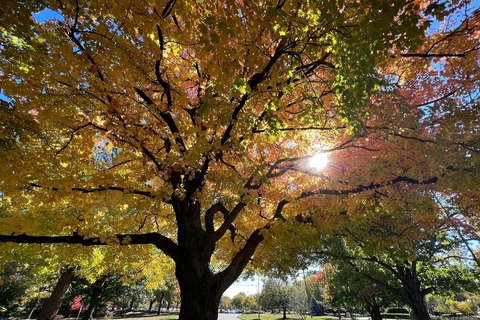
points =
(100, 189)
(210, 213)
(161, 242)
(168, 8)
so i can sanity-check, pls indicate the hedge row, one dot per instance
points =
(396, 316)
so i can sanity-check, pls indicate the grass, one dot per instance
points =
(252, 316)
(292, 316)
(141, 316)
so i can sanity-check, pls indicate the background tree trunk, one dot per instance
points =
(130, 308)
(160, 300)
(32, 308)
(375, 313)
(150, 304)
(95, 298)
(52, 305)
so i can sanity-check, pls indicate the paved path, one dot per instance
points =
(227, 316)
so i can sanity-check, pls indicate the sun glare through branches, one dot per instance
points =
(318, 161)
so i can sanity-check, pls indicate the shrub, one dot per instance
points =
(397, 310)
(396, 315)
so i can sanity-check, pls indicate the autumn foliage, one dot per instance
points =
(76, 304)
(189, 126)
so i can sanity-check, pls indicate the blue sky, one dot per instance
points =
(249, 287)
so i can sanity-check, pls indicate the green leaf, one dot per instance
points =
(203, 110)
(215, 38)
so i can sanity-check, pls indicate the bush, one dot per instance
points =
(397, 310)
(396, 315)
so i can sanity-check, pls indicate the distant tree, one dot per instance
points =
(277, 294)
(14, 282)
(348, 289)
(239, 301)
(225, 303)
(316, 283)
(297, 300)
(270, 295)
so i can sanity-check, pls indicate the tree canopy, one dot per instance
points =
(189, 126)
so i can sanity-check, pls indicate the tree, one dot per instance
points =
(52, 305)
(239, 301)
(189, 127)
(348, 289)
(14, 282)
(276, 294)
(464, 302)
(269, 295)
(225, 302)
(314, 285)
(86, 266)
(297, 300)
(409, 269)
(408, 255)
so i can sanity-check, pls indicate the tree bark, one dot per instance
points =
(150, 304)
(201, 288)
(34, 305)
(370, 304)
(374, 312)
(199, 295)
(94, 298)
(52, 305)
(160, 300)
(130, 308)
(414, 295)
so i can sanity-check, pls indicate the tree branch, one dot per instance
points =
(100, 189)
(210, 213)
(239, 261)
(161, 242)
(167, 117)
(218, 234)
(371, 186)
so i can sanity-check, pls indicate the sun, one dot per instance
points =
(319, 161)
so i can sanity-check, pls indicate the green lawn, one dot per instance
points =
(252, 316)
(292, 316)
(143, 316)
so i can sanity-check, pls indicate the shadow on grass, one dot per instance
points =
(267, 316)
(164, 315)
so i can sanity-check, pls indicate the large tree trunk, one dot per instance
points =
(95, 298)
(374, 312)
(199, 295)
(200, 288)
(370, 304)
(414, 295)
(52, 305)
